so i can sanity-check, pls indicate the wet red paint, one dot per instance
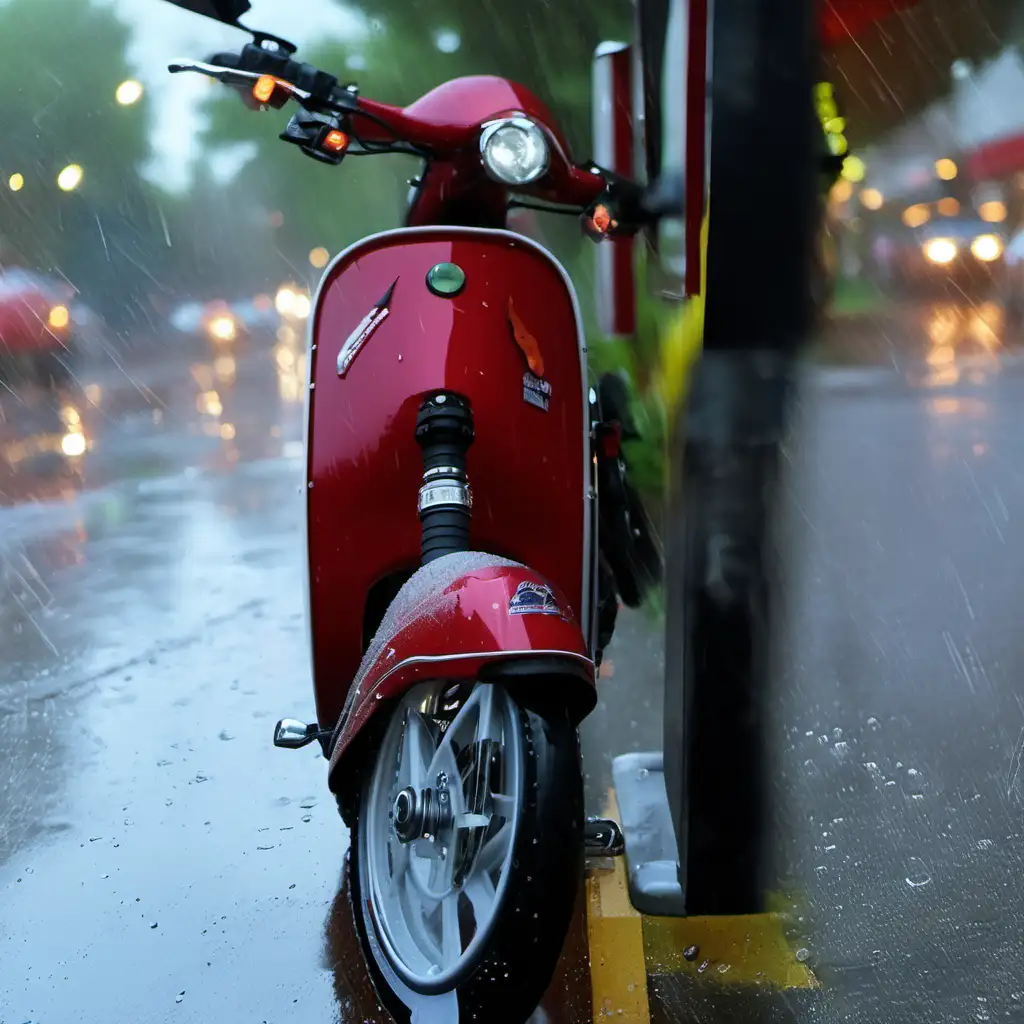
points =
(463, 637)
(841, 20)
(526, 466)
(449, 116)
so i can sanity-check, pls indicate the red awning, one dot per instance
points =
(997, 159)
(843, 19)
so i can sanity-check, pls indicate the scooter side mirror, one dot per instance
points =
(613, 128)
(226, 11)
(292, 734)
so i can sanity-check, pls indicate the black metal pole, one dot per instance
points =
(764, 159)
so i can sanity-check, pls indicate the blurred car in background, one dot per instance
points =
(965, 253)
(37, 330)
(221, 322)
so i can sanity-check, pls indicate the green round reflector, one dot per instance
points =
(446, 279)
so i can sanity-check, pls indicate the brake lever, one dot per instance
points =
(235, 77)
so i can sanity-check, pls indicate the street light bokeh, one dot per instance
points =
(319, 257)
(128, 92)
(853, 168)
(872, 198)
(70, 178)
(16, 182)
(284, 301)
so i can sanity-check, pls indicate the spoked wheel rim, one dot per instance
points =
(438, 830)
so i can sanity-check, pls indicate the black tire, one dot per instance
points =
(512, 972)
(627, 537)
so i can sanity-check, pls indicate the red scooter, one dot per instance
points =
(459, 464)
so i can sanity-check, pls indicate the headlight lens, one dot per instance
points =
(940, 250)
(515, 151)
(987, 248)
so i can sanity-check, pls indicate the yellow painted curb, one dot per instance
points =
(747, 950)
(627, 948)
(618, 973)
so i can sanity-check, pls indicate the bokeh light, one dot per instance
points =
(70, 178)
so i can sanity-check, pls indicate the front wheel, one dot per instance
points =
(467, 852)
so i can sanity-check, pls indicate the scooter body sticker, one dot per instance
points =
(526, 341)
(361, 334)
(536, 391)
(533, 599)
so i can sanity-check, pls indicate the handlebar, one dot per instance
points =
(267, 75)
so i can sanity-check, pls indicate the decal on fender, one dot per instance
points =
(359, 337)
(536, 391)
(533, 599)
(526, 341)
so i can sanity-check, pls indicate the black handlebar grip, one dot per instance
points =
(226, 60)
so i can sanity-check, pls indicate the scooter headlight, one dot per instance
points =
(515, 151)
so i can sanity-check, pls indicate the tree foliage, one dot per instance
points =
(62, 62)
(411, 48)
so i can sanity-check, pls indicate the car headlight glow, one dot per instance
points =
(940, 250)
(284, 301)
(987, 248)
(59, 317)
(222, 328)
(73, 444)
(515, 151)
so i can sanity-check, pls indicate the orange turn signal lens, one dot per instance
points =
(335, 141)
(264, 88)
(602, 217)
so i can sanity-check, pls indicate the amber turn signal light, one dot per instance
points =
(335, 141)
(263, 89)
(602, 218)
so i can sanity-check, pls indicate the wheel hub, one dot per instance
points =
(421, 814)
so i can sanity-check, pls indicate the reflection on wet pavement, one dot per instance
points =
(932, 345)
(899, 718)
(152, 626)
(236, 402)
(153, 844)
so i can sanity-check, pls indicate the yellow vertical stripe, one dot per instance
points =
(618, 973)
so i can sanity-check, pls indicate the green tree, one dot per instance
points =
(546, 46)
(412, 48)
(311, 204)
(60, 64)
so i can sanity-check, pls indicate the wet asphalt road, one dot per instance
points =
(160, 861)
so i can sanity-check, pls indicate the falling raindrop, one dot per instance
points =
(917, 874)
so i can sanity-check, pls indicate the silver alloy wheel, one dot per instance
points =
(435, 892)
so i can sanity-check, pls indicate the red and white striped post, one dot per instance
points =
(613, 128)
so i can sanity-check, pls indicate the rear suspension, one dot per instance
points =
(444, 431)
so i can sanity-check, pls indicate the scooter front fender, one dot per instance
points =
(468, 616)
